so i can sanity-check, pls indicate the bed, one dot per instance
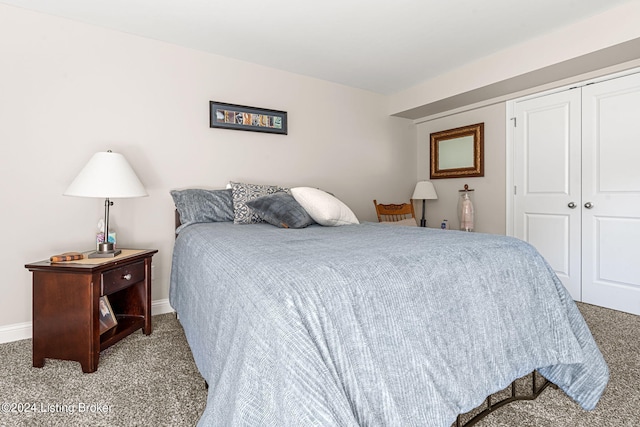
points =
(371, 324)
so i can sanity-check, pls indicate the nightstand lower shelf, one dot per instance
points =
(126, 326)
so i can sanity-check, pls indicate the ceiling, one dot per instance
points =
(376, 45)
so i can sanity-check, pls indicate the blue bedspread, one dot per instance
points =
(371, 324)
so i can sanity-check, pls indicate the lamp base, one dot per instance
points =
(423, 221)
(105, 250)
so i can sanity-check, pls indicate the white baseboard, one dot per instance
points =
(15, 332)
(23, 331)
(161, 306)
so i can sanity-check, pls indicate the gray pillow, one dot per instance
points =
(242, 193)
(196, 205)
(281, 210)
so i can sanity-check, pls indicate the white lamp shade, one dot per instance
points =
(424, 191)
(107, 175)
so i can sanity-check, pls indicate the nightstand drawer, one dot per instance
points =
(120, 278)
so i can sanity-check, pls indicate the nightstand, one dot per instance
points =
(66, 305)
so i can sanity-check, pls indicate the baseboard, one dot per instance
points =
(23, 331)
(15, 332)
(161, 306)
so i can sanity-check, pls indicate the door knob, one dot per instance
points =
(588, 205)
(572, 205)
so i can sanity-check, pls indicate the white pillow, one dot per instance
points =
(323, 207)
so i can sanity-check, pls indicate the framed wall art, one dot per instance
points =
(242, 117)
(458, 153)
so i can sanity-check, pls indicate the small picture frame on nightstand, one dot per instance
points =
(107, 317)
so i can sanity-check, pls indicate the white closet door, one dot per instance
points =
(547, 204)
(611, 194)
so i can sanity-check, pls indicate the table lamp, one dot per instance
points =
(107, 175)
(425, 191)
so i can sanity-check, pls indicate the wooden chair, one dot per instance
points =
(394, 213)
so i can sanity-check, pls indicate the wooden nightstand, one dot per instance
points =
(65, 305)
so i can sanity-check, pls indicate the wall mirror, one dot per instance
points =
(458, 153)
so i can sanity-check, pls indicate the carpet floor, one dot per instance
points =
(142, 380)
(152, 381)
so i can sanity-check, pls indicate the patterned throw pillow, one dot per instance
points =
(242, 193)
(282, 210)
(197, 205)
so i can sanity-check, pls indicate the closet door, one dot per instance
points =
(547, 191)
(611, 194)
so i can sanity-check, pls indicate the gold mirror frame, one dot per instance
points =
(458, 153)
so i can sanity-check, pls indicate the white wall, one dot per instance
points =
(607, 30)
(489, 195)
(68, 90)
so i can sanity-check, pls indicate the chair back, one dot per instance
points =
(394, 213)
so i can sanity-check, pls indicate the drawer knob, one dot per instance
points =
(127, 276)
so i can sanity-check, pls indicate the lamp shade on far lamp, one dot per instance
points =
(424, 191)
(107, 175)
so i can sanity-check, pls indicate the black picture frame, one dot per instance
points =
(242, 117)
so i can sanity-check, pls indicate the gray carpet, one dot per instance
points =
(152, 381)
(145, 380)
(618, 336)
